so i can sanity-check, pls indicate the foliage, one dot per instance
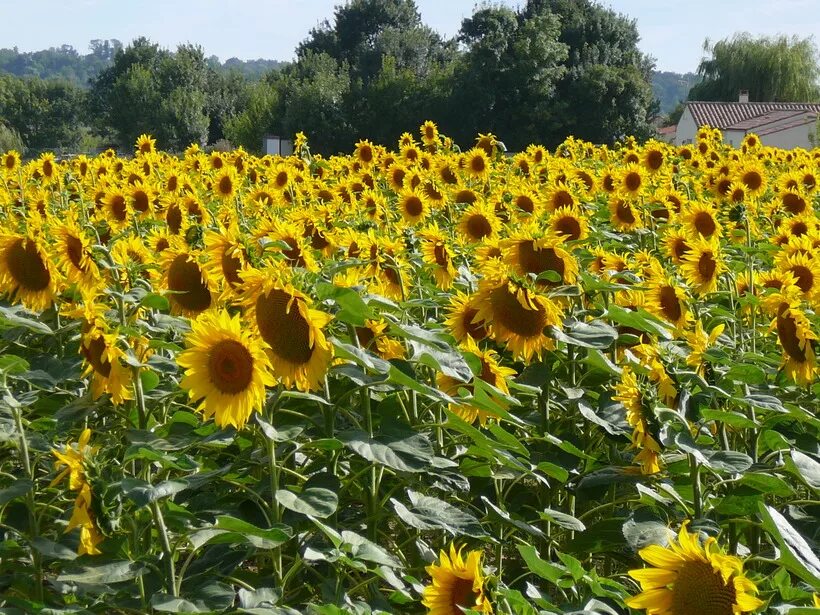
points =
(10, 139)
(671, 88)
(46, 114)
(780, 68)
(288, 385)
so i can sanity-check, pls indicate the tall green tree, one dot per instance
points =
(45, 113)
(783, 68)
(605, 92)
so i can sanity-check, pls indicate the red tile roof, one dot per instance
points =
(766, 118)
(724, 114)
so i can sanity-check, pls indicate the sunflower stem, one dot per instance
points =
(159, 521)
(694, 473)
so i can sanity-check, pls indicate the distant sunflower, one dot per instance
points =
(629, 394)
(225, 184)
(228, 255)
(462, 320)
(806, 272)
(26, 274)
(667, 300)
(373, 336)
(700, 219)
(429, 132)
(517, 316)
(436, 252)
(794, 334)
(226, 369)
(73, 256)
(569, 223)
(477, 164)
(188, 282)
(478, 221)
(413, 206)
(702, 266)
(146, 144)
(456, 584)
(676, 245)
(528, 254)
(624, 214)
(689, 577)
(365, 152)
(298, 350)
(630, 180)
(752, 176)
(105, 364)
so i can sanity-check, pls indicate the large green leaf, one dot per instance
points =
(429, 513)
(795, 552)
(315, 501)
(111, 572)
(403, 451)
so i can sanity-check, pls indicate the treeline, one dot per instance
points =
(374, 70)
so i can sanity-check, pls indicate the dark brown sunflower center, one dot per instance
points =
(799, 228)
(474, 328)
(26, 265)
(569, 226)
(524, 203)
(752, 180)
(93, 354)
(440, 254)
(462, 596)
(509, 313)
(230, 268)
(74, 251)
(230, 367)
(185, 279)
(413, 206)
(670, 304)
(707, 265)
(705, 224)
(293, 253)
(225, 186)
(805, 278)
(141, 203)
(654, 159)
(562, 198)
(624, 213)
(787, 333)
(366, 153)
(538, 260)
(632, 181)
(117, 205)
(699, 589)
(285, 330)
(478, 226)
(477, 164)
(793, 203)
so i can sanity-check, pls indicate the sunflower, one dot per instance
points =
(289, 240)
(793, 201)
(105, 364)
(528, 254)
(10, 162)
(794, 334)
(702, 266)
(225, 184)
(689, 577)
(298, 350)
(116, 207)
(490, 371)
(559, 196)
(48, 168)
(477, 164)
(624, 214)
(145, 144)
(456, 584)
(73, 256)
(517, 316)
(141, 198)
(429, 133)
(569, 223)
(462, 319)
(188, 282)
(667, 300)
(676, 245)
(630, 180)
(629, 394)
(653, 156)
(700, 220)
(699, 342)
(413, 205)
(227, 256)
(373, 337)
(804, 269)
(26, 274)
(436, 251)
(478, 221)
(365, 152)
(752, 177)
(226, 369)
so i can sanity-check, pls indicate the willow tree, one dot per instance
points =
(779, 68)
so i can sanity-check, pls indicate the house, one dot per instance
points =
(780, 124)
(667, 133)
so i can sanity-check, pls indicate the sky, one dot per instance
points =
(671, 31)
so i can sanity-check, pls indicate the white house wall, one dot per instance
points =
(686, 128)
(797, 136)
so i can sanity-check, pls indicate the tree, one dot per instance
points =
(605, 92)
(780, 68)
(505, 81)
(261, 115)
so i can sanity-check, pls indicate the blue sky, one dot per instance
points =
(671, 31)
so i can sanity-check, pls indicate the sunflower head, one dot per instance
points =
(456, 583)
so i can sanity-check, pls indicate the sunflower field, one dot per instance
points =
(411, 380)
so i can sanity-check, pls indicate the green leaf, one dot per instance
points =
(403, 451)
(429, 513)
(143, 493)
(314, 501)
(258, 537)
(149, 380)
(795, 553)
(536, 565)
(361, 548)
(353, 309)
(594, 334)
(807, 468)
(746, 374)
(18, 489)
(155, 302)
(113, 572)
(563, 519)
(640, 320)
(12, 317)
(640, 534)
(53, 550)
(767, 483)
(733, 419)
(12, 364)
